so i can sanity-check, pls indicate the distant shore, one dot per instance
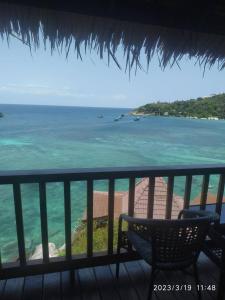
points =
(203, 108)
(141, 114)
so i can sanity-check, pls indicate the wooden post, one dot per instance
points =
(204, 193)
(169, 198)
(111, 215)
(67, 207)
(44, 221)
(131, 196)
(19, 223)
(187, 192)
(151, 193)
(219, 199)
(90, 218)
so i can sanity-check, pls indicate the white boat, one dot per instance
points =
(117, 119)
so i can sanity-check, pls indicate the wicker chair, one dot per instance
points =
(214, 248)
(165, 244)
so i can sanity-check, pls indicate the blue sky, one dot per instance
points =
(42, 78)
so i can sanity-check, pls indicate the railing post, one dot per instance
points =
(169, 198)
(111, 215)
(19, 223)
(0, 259)
(90, 218)
(219, 199)
(131, 196)
(67, 207)
(187, 192)
(204, 193)
(44, 221)
(151, 194)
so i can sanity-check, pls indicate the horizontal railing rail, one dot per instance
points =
(54, 175)
(42, 177)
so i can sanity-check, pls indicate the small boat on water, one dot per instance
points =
(137, 119)
(100, 116)
(117, 119)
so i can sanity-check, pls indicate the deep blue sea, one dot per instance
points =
(41, 137)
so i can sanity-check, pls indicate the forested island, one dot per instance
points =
(212, 107)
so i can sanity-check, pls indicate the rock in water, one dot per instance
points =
(38, 253)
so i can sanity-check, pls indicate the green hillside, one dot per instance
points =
(206, 107)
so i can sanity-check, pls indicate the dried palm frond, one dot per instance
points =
(67, 31)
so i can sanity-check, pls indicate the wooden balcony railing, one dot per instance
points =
(42, 177)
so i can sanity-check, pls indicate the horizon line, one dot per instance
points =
(55, 105)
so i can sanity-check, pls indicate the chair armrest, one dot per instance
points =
(132, 220)
(138, 225)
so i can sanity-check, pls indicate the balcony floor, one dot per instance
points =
(99, 283)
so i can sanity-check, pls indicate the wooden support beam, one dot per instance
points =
(187, 192)
(67, 206)
(111, 215)
(44, 221)
(204, 193)
(151, 192)
(169, 198)
(19, 223)
(89, 218)
(131, 196)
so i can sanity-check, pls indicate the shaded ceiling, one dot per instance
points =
(170, 29)
(196, 15)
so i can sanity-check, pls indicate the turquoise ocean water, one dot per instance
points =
(41, 137)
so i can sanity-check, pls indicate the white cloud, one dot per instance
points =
(119, 97)
(42, 90)
(64, 91)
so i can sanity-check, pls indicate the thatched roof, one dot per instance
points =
(100, 205)
(67, 32)
(160, 199)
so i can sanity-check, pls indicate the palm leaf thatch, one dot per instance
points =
(66, 32)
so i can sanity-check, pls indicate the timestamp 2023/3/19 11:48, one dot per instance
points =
(184, 287)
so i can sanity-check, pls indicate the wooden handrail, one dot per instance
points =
(57, 175)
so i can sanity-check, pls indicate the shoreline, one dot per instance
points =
(169, 116)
